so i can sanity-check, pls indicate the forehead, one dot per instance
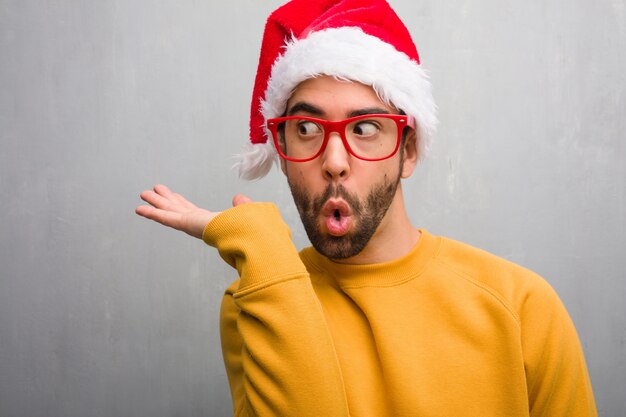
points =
(335, 96)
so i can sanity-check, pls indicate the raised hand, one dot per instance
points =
(175, 211)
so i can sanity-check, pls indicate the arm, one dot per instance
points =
(557, 377)
(278, 351)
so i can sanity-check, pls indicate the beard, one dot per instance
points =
(367, 215)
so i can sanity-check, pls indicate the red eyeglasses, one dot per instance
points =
(370, 137)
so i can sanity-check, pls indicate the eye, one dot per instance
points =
(365, 128)
(308, 128)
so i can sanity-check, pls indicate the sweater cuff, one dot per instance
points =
(254, 239)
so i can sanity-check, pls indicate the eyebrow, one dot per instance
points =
(369, 110)
(305, 107)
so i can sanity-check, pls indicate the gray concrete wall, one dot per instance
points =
(105, 314)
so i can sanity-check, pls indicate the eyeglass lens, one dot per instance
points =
(372, 138)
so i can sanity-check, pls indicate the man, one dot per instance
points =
(378, 318)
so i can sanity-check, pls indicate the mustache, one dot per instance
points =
(338, 191)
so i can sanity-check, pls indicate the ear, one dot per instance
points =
(410, 154)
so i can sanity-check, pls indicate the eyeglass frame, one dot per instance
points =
(339, 126)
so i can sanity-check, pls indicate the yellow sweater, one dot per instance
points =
(447, 330)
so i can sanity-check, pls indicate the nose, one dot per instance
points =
(336, 159)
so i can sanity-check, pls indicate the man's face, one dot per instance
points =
(343, 200)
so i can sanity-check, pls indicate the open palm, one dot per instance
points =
(175, 211)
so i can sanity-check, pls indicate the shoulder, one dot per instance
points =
(481, 265)
(515, 286)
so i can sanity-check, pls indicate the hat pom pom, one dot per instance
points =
(256, 160)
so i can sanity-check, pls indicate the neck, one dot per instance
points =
(394, 238)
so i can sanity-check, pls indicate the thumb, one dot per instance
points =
(240, 199)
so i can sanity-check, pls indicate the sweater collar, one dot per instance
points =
(383, 274)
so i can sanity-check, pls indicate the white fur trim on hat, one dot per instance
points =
(256, 160)
(345, 53)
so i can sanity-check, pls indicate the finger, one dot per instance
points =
(183, 201)
(157, 200)
(166, 218)
(240, 199)
(164, 191)
(144, 211)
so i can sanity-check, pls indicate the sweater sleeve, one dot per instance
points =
(278, 351)
(557, 378)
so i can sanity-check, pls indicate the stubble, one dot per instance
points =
(367, 215)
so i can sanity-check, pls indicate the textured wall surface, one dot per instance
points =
(104, 314)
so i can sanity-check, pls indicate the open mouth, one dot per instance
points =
(338, 217)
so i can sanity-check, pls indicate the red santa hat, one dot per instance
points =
(358, 40)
